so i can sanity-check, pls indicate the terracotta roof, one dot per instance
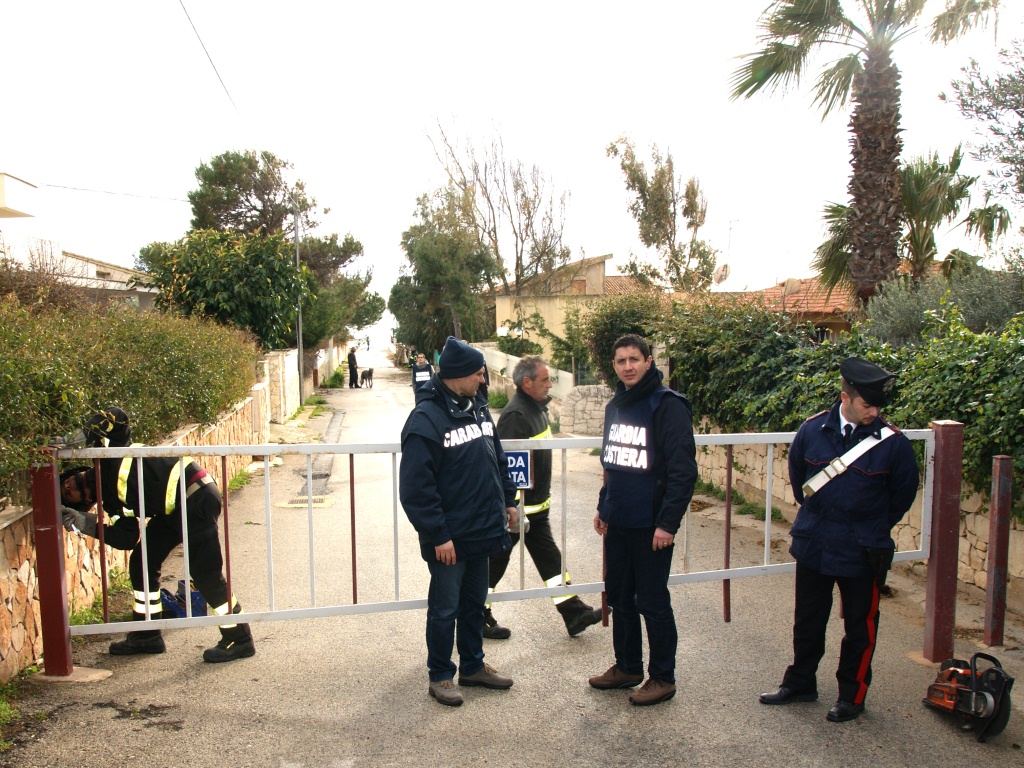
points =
(806, 296)
(621, 284)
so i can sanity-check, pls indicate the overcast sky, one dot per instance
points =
(108, 107)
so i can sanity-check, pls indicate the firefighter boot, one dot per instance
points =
(148, 641)
(492, 629)
(235, 643)
(578, 615)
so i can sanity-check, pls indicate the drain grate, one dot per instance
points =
(302, 501)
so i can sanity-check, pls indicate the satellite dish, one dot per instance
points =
(721, 274)
(791, 286)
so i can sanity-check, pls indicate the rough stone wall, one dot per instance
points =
(283, 379)
(237, 427)
(583, 410)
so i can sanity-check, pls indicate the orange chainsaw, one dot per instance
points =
(981, 699)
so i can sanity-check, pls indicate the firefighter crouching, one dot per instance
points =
(163, 512)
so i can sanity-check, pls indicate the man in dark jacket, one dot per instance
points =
(841, 535)
(650, 470)
(526, 417)
(421, 371)
(455, 489)
(164, 506)
(353, 369)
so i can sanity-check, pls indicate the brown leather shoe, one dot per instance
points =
(654, 691)
(615, 678)
(487, 677)
(446, 693)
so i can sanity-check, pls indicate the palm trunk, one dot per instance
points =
(875, 183)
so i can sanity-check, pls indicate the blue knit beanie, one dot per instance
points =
(459, 359)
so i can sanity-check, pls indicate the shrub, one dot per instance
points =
(163, 369)
(638, 313)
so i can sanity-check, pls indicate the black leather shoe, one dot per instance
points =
(842, 711)
(786, 695)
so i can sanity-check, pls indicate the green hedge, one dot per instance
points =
(749, 368)
(164, 370)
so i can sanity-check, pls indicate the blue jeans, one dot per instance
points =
(636, 580)
(455, 614)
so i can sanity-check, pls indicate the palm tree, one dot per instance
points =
(866, 75)
(933, 192)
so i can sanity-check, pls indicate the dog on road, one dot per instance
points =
(366, 377)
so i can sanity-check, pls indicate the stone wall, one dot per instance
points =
(21, 642)
(583, 414)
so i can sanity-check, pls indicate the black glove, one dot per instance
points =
(880, 561)
(78, 522)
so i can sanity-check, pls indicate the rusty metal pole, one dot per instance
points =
(998, 549)
(940, 600)
(53, 592)
(726, 583)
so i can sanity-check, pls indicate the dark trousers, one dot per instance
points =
(206, 564)
(860, 619)
(540, 543)
(353, 377)
(636, 580)
(455, 616)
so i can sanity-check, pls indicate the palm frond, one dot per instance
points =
(832, 258)
(988, 223)
(961, 16)
(835, 84)
(776, 66)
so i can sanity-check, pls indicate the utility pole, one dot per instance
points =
(298, 321)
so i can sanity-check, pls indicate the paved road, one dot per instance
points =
(351, 691)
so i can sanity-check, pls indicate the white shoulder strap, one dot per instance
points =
(839, 464)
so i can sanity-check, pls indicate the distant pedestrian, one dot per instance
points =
(421, 371)
(455, 488)
(353, 369)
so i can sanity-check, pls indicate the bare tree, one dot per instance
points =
(517, 219)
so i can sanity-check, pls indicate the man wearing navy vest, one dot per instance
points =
(854, 476)
(456, 491)
(650, 470)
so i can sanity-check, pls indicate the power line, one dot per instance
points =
(210, 58)
(108, 192)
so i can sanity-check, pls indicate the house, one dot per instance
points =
(807, 300)
(104, 282)
(577, 283)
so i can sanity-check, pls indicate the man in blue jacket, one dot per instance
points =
(841, 535)
(650, 470)
(455, 488)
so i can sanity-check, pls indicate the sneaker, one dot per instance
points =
(492, 629)
(654, 691)
(133, 644)
(487, 677)
(446, 693)
(615, 678)
(229, 650)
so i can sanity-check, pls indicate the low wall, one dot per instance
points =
(21, 642)
(583, 414)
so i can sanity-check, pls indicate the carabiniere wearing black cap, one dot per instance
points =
(855, 476)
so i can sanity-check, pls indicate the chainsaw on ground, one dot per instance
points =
(980, 698)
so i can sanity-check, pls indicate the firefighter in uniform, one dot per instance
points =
(525, 417)
(841, 535)
(163, 512)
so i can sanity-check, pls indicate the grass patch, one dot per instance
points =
(337, 380)
(119, 602)
(316, 400)
(740, 504)
(239, 481)
(497, 400)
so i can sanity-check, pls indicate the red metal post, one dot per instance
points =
(352, 516)
(53, 592)
(940, 600)
(998, 549)
(726, 583)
